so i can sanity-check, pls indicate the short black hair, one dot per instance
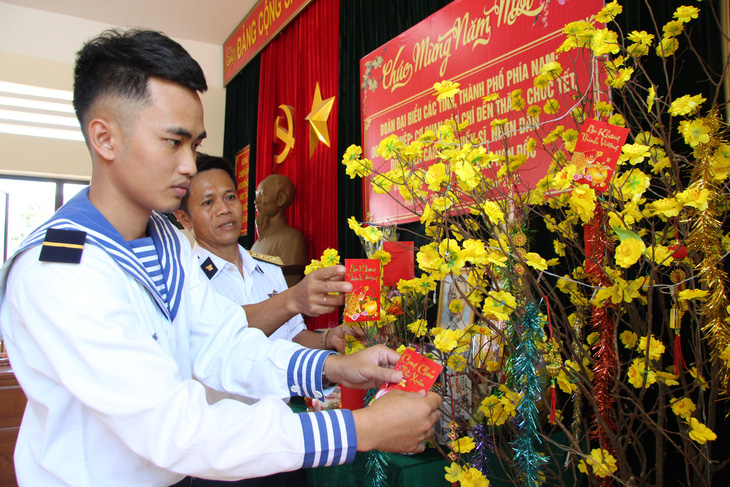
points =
(122, 62)
(205, 162)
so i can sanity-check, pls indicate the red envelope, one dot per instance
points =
(401, 265)
(419, 373)
(596, 153)
(363, 303)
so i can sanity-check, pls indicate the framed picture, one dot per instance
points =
(454, 289)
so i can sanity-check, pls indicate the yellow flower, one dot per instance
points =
(496, 410)
(633, 183)
(650, 99)
(686, 105)
(389, 147)
(330, 257)
(640, 37)
(446, 340)
(661, 254)
(695, 132)
(685, 14)
(551, 70)
(667, 46)
(634, 153)
(452, 472)
(493, 212)
(456, 306)
(656, 347)
(636, 373)
(603, 109)
(628, 338)
(695, 197)
(604, 41)
(418, 328)
(672, 28)
(535, 261)
(609, 12)
(619, 79)
(436, 176)
(567, 382)
(629, 252)
(457, 362)
(583, 202)
(601, 462)
(312, 266)
(551, 106)
(617, 120)
(465, 444)
(452, 259)
(518, 102)
(490, 97)
(692, 294)
(699, 432)
(446, 89)
(667, 207)
(683, 407)
(499, 305)
(355, 166)
(471, 477)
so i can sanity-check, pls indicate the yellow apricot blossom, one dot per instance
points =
(699, 432)
(602, 463)
(446, 89)
(683, 407)
(694, 197)
(655, 347)
(686, 105)
(465, 444)
(629, 251)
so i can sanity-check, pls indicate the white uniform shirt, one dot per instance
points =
(260, 281)
(108, 375)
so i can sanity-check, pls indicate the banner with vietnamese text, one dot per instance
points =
(261, 25)
(488, 46)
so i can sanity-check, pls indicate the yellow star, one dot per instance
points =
(318, 120)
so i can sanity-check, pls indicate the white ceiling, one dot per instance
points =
(207, 21)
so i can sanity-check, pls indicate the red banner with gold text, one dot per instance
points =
(259, 27)
(488, 46)
(242, 175)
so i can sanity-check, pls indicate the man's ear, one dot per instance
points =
(102, 138)
(281, 198)
(183, 218)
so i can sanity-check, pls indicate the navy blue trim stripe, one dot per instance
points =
(329, 438)
(80, 214)
(304, 373)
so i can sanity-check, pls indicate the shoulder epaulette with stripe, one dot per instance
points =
(63, 246)
(271, 259)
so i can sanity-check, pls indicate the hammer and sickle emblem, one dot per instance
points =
(285, 135)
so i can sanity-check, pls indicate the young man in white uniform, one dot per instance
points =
(107, 321)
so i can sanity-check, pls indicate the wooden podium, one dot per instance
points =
(12, 404)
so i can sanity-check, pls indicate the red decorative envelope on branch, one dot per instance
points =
(596, 153)
(401, 265)
(363, 303)
(419, 373)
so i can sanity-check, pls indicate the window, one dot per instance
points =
(26, 203)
